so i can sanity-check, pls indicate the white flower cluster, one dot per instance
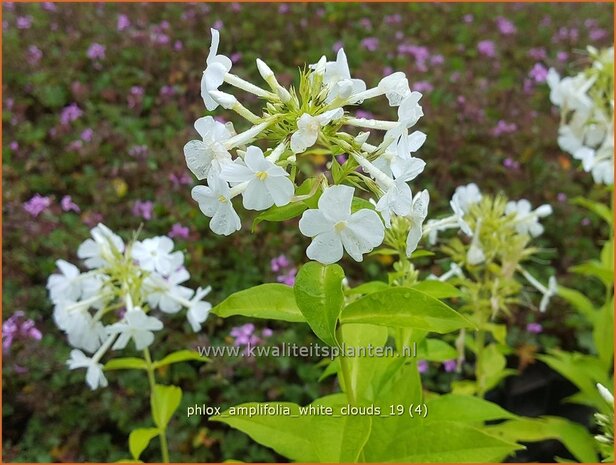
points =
(299, 124)
(108, 305)
(520, 213)
(587, 114)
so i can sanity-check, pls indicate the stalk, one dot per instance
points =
(164, 447)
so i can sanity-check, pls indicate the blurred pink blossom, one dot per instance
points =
(37, 205)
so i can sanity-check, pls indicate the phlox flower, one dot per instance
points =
(210, 152)
(308, 128)
(136, 325)
(418, 214)
(215, 201)
(94, 374)
(337, 77)
(214, 75)
(101, 249)
(526, 219)
(156, 254)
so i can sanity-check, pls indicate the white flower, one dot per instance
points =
(210, 152)
(465, 196)
(395, 87)
(396, 200)
(137, 326)
(409, 112)
(198, 310)
(605, 393)
(94, 374)
(334, 228)
(308, 128)
(527, 220)
(419, 211)
(548, 293)
(267, 183)
(215, 201)
(155, 254)
(337, 78)
(67, 284)
(166, 293)
(214, 75)
(397, 159)
(102, 249)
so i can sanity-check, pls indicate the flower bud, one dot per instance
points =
(225, 100)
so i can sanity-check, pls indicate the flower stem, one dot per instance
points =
(164, 447)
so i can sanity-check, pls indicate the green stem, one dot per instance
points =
(479, 345)
(164, 447)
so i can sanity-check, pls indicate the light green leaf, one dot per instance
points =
(579, 301)
(164, 402)
(268, 301)
(319, 296)
(603, 334)
(125, 363)
(139, 439)
(437, 289)
(597, 208)
(492, 366)
(304, 437)
(465, 409)
(367, 288)
(275, 213)
(404, 308)
(574, 436)
(595, 269)
(180, 356)
(435, 350)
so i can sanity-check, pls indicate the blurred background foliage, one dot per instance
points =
(98, 101)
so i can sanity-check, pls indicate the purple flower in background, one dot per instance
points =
(534, 328)
(537, 53)
(18, 327)
(10, 6)
(24, 22)
(138, 151)
(468, 18)
(393, 19)
(96, 52)
(342, 158)
(283, 8)
(123, 23)
(178, 45)
(218, 24)
(585, 222)
(178, 180)
(87, 134)
(420, 53)
(288, 278)
(505, 26)
(337, 46)
(370, 43)
(450, 365)
(167, 91)
(422, 86)
(437, 60)
(597, 34)
(14, 146)
(37, 205)
(539, 73)
(279, 263)
(70, 113)
(387, 71)
(511, 164)
(68, 205)
(245, 335)
(34, 55)
(486, 48)
(235, 6)
(143, 209)
(177, 230)
(135, 96)
(236, 57)
(267, 332)
(49, 6)
(561, 197)
(562, 56)
(365, 23)
(422, 366)
(503, 127)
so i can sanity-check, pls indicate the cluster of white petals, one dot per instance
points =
(587, 114)
(298, 125)
(111, 303)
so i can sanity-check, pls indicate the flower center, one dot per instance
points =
(340, 226)
(261, 175)
(222, 199)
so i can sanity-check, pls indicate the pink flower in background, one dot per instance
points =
(70, 113)
(365, 23)
(49, 6)
(364, 114)
(138, 151)
(561, 197)
(218, 24)
(537, 53)
(167, 91)
(450, 365)
(178, 45)
(123, 23)
(246, 335)
(68, 205)
(14, 146)
(96, 52)
(585, 222)
(562, 56)
(337, 46)
(87, 134)
(437, 60)
(34, 55)
(236, 57)
(18, 327)
(387, 70)
(539, 73)
(24, 22)
(503, 127)
(420, 53)
(511, 164)
(179, 180)
(597, 34)
(279, 263)
(468, 18)
(235, 6)
(143, 209)
(505, 26)
(370, 43)
(177, 230)
(393, 19)
(285, 269)
(37, 205)
(422, 86)
(283, 8)
(135, 96)
(534, 328)
(486, 48)
(422, 366)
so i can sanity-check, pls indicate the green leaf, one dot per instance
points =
(492, 366)
(607, 255)
(164, 402)
(579, 301)
(126, 363)
(269, 301)
(367, 288)
(574, 436)
(437, 289)
(433, 442)
(435, 350)
(596, 269)
(599, 209)
(465, 409)
(404, 308)
(139, 439)
(275, 213)
(603, 334)
(180, 356)
(319, 296)
(303, 437)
